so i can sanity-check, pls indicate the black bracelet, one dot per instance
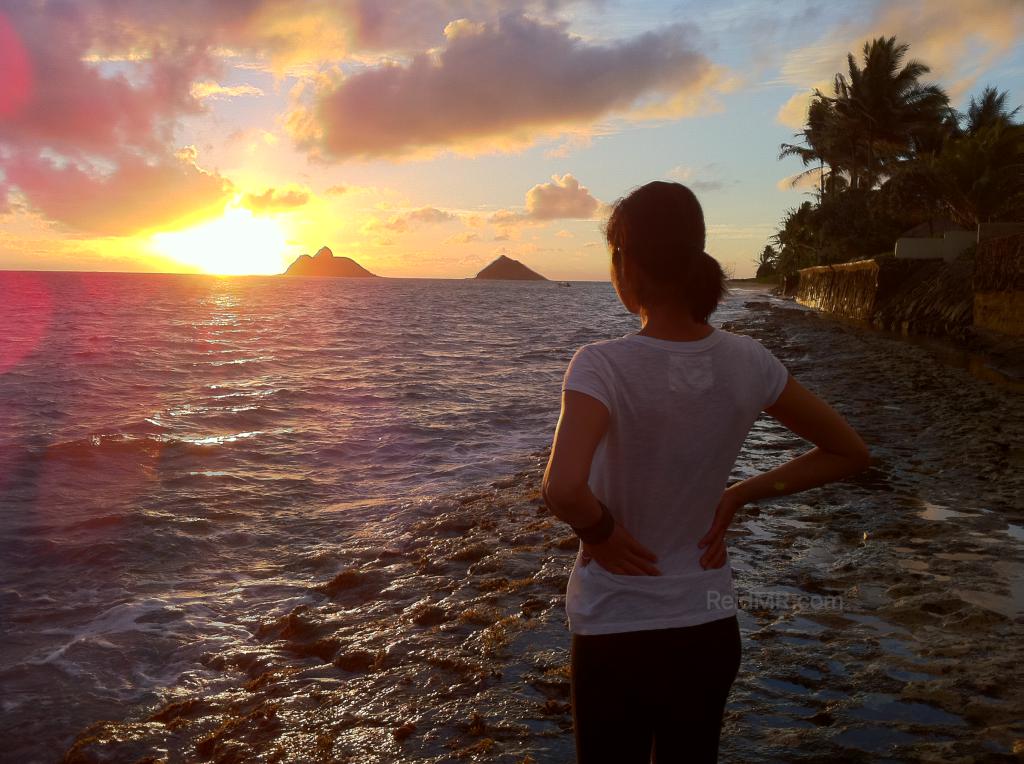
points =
(599, 532)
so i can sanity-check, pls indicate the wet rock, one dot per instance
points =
(426, 613)
(221, 742)
(470, 552)
(174, 714)
(347, 579)
(359, 661)
(404, 731)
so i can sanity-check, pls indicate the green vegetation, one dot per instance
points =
(890, 153)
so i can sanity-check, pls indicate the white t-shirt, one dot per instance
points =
(679, 413)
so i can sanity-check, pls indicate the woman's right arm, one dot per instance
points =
(838, 453)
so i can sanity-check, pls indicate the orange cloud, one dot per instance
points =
(511, 80)
(466, 237)
(210, 89)
(407, 220)
(273, 199)
(299, 35)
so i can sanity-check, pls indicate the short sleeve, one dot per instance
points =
(772, 375)
(586, 375)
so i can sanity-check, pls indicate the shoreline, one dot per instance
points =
(987, 356)
(446, 637)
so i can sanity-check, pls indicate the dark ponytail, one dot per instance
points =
(658, 229)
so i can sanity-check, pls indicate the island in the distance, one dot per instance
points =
(507, 268)
(324, 263)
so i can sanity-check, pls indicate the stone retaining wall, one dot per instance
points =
(983, 290)
(857, 289)
(999, 285)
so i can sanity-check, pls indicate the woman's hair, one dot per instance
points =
(659, 230)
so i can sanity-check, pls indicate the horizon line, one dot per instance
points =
(275, 275)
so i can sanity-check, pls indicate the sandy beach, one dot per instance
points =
(882, 617)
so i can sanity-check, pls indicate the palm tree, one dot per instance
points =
(766, 262)
(979, 177)
(987, 110)
(883, 108)
(822, 144)
(798, 239)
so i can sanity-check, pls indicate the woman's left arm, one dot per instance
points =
(581, 425)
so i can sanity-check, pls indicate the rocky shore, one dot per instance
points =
(882, 617)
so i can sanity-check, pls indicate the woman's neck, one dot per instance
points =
(671, 325)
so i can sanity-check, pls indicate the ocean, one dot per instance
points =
(182, 457)
(299, 520)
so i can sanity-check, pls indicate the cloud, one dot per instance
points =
(500, 84)
(273, 199)
(335, 190)
(89, 144)
(409, 220)
(705, 178)
(793, 113)
(428, 215)
(562, 198)
(135, 196)
(210, 89)
(300, 35)
(801, 181)
(466, 237)
(75, 106)
(958, 40)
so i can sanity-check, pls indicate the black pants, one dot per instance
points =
(658, 693)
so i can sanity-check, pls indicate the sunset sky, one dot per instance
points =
(424, 137)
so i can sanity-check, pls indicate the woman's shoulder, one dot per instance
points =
(634, 343)
(737, 340)
(601, 346)
(736, 337)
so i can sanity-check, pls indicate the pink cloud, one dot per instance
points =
(74, 107)
(133, 197)
(515, 77)
(77, 114)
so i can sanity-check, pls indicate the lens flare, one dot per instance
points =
(27, 310)
(16, 81)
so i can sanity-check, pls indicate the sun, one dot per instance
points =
(237, 243)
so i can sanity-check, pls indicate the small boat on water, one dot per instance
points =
(563, 283)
